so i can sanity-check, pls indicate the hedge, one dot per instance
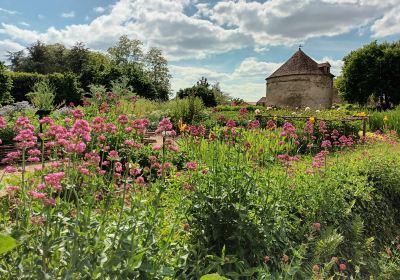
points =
(66, 86)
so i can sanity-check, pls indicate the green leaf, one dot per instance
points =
(136, 261)
(7, 243)
(214, 276)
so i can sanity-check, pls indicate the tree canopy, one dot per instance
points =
(211, 95)
(372, 71)
(147, 72)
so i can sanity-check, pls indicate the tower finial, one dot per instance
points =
(300, 46)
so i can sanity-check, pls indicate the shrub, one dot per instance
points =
(66, 86)
(187, 109)
(5, 86)
(42, 96)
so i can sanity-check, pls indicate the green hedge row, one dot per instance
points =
(67, 88)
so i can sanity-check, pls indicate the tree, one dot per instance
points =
(126, 51)
(372, 71)
(158, 72)
(77, 57)
(203, 90)
(17, 60)
(5, 85)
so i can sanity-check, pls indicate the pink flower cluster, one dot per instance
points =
(165, 128)
(197, 131)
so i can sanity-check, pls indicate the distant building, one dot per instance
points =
(300, 82)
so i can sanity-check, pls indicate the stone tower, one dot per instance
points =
(300, 82)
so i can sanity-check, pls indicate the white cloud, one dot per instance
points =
(99, 9)
(70, 14)
(225, 26)
(8, 46)
(247, 81)
(10, 12)
(23, 23)
(388, 25)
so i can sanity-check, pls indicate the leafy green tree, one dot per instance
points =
(372, 71)
(5, 85)
(158, 72)
(126, 51)
(203, 90)
(77, 57)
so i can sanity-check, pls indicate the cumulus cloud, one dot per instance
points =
(247, 81)
(99, 9)
(70, 14)
(8, 46)
(221, 27)
(23, 23)
(10, 12)
(388, 25)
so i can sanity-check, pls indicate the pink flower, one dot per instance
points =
(78, 114)
(46, 120)
(230, 123)
(326, 144)
(157, 148)
(37, 195)
(3, 123)
(84, 171)
(191, 165)
(342, 266)
(164, 125)
(123, 119)
(113, 155)
(243, 111)
(253, 124)
(10, 169)
(271, 125)
(309, 128)
(12, 188)
(316, 226)
(118, 167)
(140, 181)
(54, 180)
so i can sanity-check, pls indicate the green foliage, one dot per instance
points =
(42, 96)
(384, 121)
(7, 243)
(214, 276)
(202, 90)
(187, 109)
(5, 86)
(372, 71)
(66, 86)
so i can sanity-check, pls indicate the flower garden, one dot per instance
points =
(237, 194)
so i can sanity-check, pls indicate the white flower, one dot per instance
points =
(333, 106)
(317, 111)
(269, 108)
(338, 109)
(257, 111)
(293, 113)
(307, 109)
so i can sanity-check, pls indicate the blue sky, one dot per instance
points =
(235, 42)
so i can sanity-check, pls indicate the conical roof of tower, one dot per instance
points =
(299, 63)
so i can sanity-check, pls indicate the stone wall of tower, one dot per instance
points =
(304, 90)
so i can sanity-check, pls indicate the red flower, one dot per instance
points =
(316, 226)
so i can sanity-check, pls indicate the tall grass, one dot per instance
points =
(388, 120)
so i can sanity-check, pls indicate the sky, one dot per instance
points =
(234, 42)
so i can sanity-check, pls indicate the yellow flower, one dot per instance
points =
(182, 126)
(361, 114)
(385, 118)
(312, 120)
(275, 118)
